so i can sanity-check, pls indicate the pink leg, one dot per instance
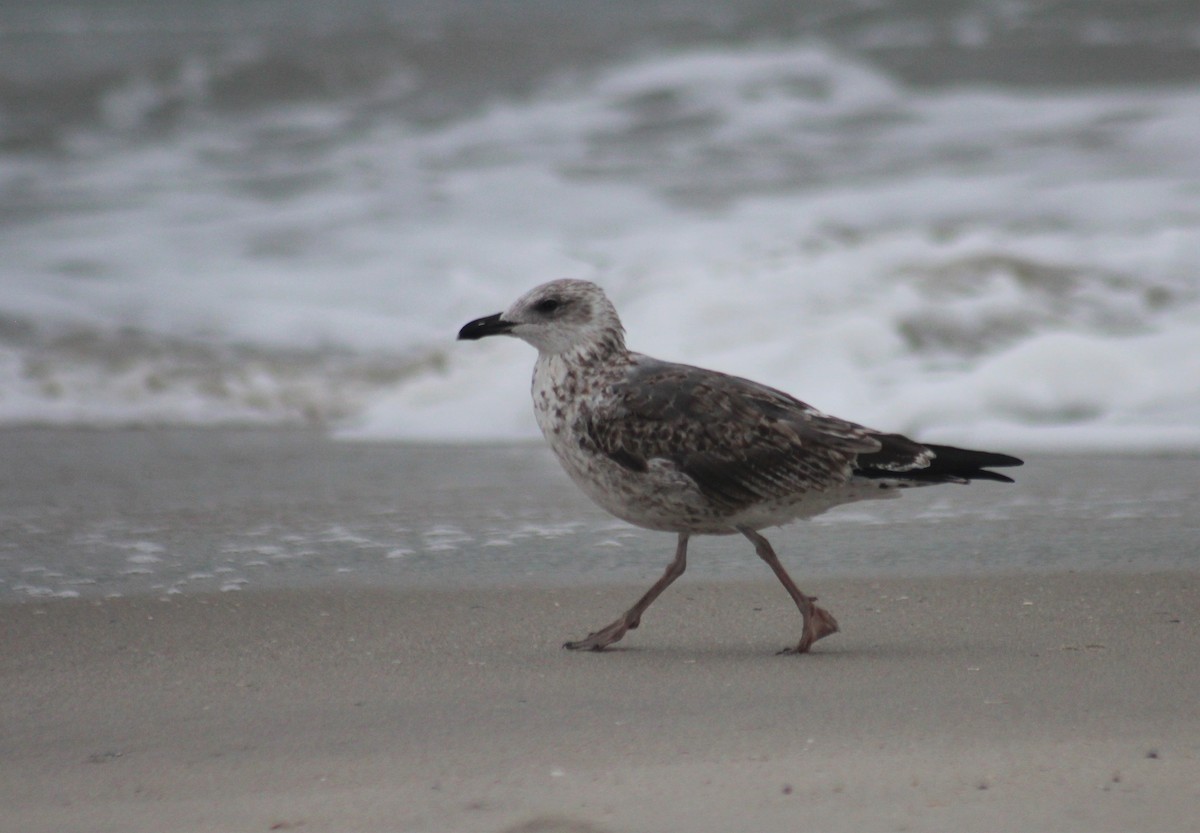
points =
(818, 622)
(632, 618)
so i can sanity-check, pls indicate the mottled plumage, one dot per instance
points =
(682, 449)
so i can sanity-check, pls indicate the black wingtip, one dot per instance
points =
(984, 474)
(972, 465)
(898, 456)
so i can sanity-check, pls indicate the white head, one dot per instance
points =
(556, 317)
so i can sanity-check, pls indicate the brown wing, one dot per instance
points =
(741, 442)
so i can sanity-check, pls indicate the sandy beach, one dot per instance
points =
(1033, 700)
(1049, 703)
(280, 552)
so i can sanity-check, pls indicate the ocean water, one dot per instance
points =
(974, 221)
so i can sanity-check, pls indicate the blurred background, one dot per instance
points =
(975, 221)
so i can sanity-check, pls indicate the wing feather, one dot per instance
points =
(739, 441)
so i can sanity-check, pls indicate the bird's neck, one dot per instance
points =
(607, 351)
(572, 375)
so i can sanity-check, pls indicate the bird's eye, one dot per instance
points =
(547, 306)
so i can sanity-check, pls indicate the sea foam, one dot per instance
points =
(964, 263)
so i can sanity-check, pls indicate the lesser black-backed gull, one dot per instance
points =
(680, 449)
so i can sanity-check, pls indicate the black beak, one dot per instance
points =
(489, 325)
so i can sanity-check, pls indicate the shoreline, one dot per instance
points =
(190, 511)
(1011, 658)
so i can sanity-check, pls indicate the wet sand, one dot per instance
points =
(97, 513)
(1048, 700)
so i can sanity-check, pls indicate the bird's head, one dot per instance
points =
(555, 317)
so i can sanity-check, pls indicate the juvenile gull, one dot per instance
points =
(680, 449)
